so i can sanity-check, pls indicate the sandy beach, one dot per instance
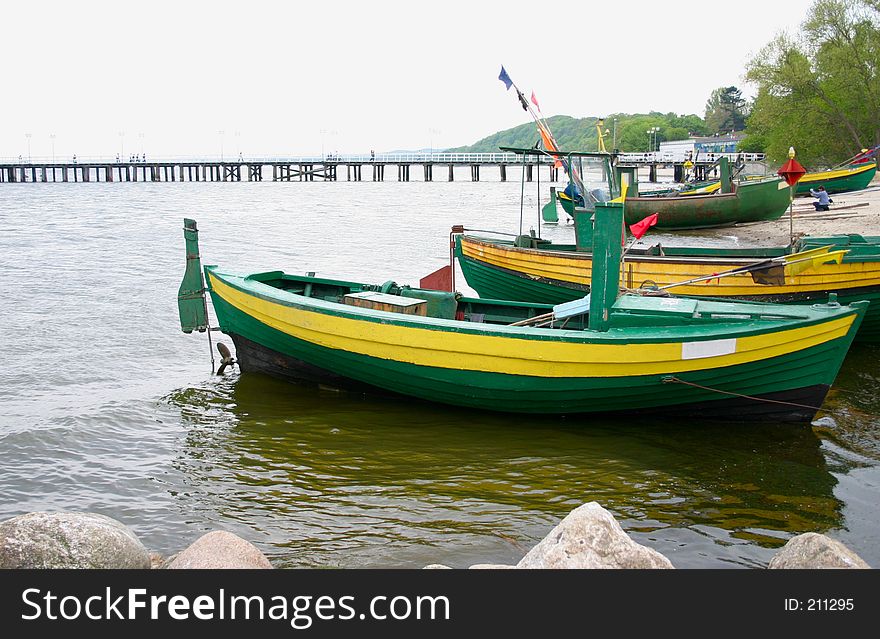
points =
(853, 212)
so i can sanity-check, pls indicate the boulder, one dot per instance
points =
(490, 567)
(812, 550)
(219, 549)
(590, 537)
(436, 567)
(69, 540)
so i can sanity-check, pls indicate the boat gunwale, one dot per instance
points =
(834, 174)
(573, 253)
(630, 257)
(796, 317)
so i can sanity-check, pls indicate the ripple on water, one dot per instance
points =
(108, 407)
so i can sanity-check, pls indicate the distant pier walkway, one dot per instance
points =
(355, 168)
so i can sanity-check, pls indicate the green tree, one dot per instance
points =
(725, 110)
(579, 134)
(820, 90)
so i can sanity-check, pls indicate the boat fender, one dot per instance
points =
(226, 358)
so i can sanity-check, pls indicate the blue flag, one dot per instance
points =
(505, 78)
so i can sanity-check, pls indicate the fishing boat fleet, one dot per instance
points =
(583, 328)
(590, 327)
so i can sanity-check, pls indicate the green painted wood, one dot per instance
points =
(726, 184)
(840, 184)
(752, 201)
(813, 367)
(605, 276)
(191, 294)
(493, 282)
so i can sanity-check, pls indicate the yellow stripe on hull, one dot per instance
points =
(576, 268)
(823, 176)
(509, 355)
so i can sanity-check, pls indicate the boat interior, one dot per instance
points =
(628, 310)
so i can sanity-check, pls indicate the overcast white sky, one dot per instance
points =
(291, 78)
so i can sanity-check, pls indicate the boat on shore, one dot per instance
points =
(608, 352)
(731, 202)
(534, 270)
(854, 177)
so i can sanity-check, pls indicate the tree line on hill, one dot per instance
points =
(817, 90)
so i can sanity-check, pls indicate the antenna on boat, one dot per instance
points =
(543, 129)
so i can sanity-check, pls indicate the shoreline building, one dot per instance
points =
(680, 150)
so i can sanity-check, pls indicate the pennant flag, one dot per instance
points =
(535, 101)
(810, 262)
(548, 143)
(522, 100)
(505, 78)
(640, 228)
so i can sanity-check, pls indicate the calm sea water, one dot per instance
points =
(105, 406)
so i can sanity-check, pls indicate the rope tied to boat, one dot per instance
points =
(672, 379)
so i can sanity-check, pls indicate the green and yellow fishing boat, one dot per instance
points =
(535, 270)
(854, 177)
(850, 178)
(602, 353)
(733, 202)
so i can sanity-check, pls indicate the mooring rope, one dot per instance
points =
(670, 379)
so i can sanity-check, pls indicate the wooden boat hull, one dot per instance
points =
(540, 370)
(752, 201)
(853, 178)
(556, 274)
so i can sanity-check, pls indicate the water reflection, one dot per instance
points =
(851, 410)
(343, 480)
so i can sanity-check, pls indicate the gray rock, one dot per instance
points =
(812, 550)
(490, 567)
(219, 549)
(69, 540)
(590, 537)
(436, 567)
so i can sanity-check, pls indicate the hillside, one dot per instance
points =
(575, 134)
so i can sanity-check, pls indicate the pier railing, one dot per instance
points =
(415, 157)
(310, 167)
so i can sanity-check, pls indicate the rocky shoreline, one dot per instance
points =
(588, 537)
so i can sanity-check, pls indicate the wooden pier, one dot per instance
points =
(304, 169)
(354, 168)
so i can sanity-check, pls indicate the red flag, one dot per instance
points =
(535, 101)
(640, 228)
